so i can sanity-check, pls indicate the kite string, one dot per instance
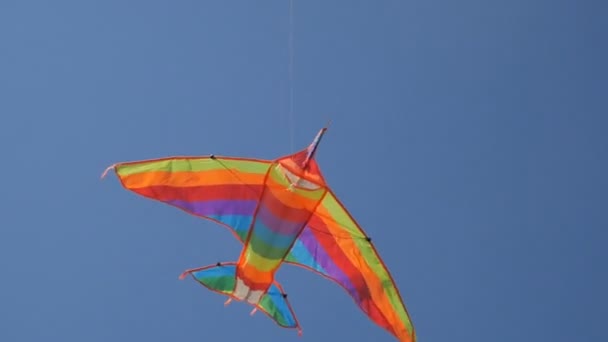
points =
(291, 77)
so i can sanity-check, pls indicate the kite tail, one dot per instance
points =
(221, 278)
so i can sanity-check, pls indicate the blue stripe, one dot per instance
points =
(281, 304)
(269, 237)
(239, 223)
(215, 272)
(300, 254)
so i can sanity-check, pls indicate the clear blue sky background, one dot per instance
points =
(468, 138)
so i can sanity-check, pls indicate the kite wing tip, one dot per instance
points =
(183, 275)
(105, 172)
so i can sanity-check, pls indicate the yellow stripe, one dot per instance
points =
(185, 179)
(193, 164)
(249, 272)
(261, 263)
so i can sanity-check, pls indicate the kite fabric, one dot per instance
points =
(282, 211)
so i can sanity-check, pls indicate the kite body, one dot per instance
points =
(283, 212)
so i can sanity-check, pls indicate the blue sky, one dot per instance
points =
(468, 138)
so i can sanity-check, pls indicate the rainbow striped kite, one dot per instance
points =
(282, 211)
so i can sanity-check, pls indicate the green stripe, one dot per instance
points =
(264, 250)
(277, 176)
(341, 216)
(224, 284)
(193, 165)
(376, 265)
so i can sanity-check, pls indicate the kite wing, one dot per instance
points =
(333, 245)
(222, 189)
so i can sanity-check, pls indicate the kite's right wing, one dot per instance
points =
(333, 245)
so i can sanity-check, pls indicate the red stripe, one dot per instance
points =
(228, 191)
(202, 193)
(282, 210)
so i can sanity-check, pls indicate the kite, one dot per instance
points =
(282, 211)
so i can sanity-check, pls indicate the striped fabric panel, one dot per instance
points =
(334, 245)
(275, 305)
(217, 278)
(221, 279)
(280, 217)
(222, 189)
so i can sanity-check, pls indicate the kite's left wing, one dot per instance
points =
(222, 189)
(333, 245)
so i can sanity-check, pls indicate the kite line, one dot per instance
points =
(291, 77)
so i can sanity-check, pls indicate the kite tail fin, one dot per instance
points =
(221, 278)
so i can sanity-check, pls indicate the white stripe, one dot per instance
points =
(297, 181)
(244, 292)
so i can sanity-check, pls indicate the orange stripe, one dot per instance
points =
(250, 273)
(185, 178)
(285, 212)
(374, 283)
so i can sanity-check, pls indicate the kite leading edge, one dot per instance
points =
(282, 211)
